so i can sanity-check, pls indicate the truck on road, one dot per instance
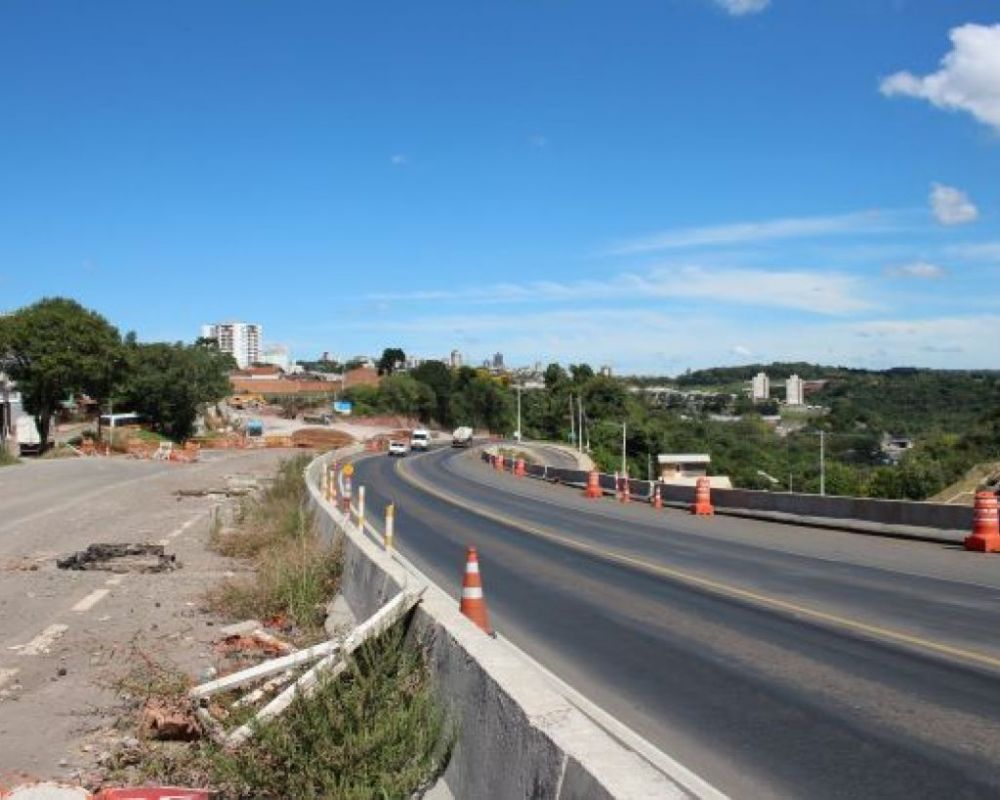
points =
(462, 437)
(29, 441)
(420, 439)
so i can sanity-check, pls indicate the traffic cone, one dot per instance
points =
(657, 499)
(499, 463)
(985, 536)
(626, 495)
(519, 470)
(593, 490)
(703, 498)
(473, 604)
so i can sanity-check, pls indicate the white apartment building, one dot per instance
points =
(760, 387)
(793, 391)
(240, 339)
(455, 359)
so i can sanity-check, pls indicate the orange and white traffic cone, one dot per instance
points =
(519, 471)
(499, 463)
(657, 499)
(626, 495)
(703, 498)
(473, 604)
(985, 536)
(593, 490)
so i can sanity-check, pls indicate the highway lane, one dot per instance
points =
(760, 700)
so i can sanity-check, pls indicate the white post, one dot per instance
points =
(579, 427)
(390, 526)
(361, 508)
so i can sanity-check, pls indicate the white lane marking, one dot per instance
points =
(114, 581)
(7, 674)
(41, 643)
(91, 600)
(182, 528)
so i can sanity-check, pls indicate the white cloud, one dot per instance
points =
(786, 228)
(739, 8)
(979, 251)
(952, 206)
(818, 292)
(968, 80)
(398, 159)
(740, 350)
(915, 269)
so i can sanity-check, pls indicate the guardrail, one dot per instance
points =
(905, 518)
(517, 735)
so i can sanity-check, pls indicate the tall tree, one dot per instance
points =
(168, 383)
(437, 376)
(392, 358)
(56, 348)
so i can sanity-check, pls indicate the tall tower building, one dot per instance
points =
(455, 359)
(793, 391)
(240, 339)
(760, 387)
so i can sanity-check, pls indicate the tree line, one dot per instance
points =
(56, 350)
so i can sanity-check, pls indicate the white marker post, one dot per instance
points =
(390, 527)
(361, 508)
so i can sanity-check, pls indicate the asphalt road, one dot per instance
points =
(775, 661)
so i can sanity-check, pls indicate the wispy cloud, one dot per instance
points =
(817, 292)
(978, 251)
(915, 269)
(399, 159)
(784, 228)
(968, 80)
(739, 8)
(952, 206)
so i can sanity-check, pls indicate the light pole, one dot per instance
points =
(624, 461)
(519, 413)
(572, 422)
(822, 462)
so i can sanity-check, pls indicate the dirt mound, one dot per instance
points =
(321, 438)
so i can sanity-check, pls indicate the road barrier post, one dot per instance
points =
(703, 498)
(626, 495)
(519, 471)
(985, 536)
(657, 499)
(618, 486)
(473, 604)
(390, 527)
(361, 508)
(346, 499)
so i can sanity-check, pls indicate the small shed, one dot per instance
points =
(684, 469)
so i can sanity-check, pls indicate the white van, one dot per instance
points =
(420, 439)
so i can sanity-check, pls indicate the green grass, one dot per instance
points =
(372, 733)
(296, 574)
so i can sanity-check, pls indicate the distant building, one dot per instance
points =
(498, 361)
(794, 391)
(605, 370)
(760, 387)
(455, 359)
(684, 469)
(278, 356)
(241, 340)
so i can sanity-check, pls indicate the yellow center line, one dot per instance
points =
(717, 587)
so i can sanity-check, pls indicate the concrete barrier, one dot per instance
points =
(517, 735)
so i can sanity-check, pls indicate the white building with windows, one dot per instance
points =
(794, 394)
(760, 387)
(240, 339)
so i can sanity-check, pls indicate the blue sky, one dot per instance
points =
(655, 185)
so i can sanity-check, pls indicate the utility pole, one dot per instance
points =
(519, 435)
(624, 460)
(572, 422)
(579, 427)
(822, 462)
